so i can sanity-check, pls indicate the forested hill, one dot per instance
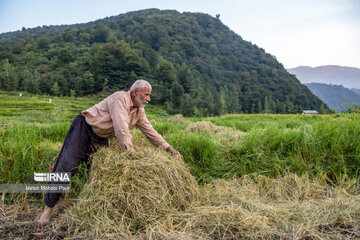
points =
(335, 96)
(196, 64)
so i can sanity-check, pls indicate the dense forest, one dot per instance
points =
(336, 97)
(196, 64)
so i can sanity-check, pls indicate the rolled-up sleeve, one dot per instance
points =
(119, 115)
(154, 137)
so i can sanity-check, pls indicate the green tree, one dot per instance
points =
(165, 73)
(88, 83)
(323, 109)
(222, 101)
(177, 96)
(100, 34)
(267, 107)
(72, 93)
(43, 43)
(5, 74)
(166, 76)
(186, 78)
(69, 35)
(78, 85)
(148, 53)
(259, 107)
(84, 37)
(55, 90)
(188, 107)
(13, 81)
(134, 62)
(290, 108)
(64, 56)
(31, 82)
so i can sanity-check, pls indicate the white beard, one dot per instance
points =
(139, 102)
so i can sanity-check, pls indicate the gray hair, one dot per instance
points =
(140, 84)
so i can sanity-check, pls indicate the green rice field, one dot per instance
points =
(259, 162)
(32, 131)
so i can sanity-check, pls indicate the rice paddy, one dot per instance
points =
(241, 176)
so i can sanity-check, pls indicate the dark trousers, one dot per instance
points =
(79, 143)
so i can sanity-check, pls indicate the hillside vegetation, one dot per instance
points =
(336, 97)
(195, 63)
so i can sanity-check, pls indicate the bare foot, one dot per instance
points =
(45, 216)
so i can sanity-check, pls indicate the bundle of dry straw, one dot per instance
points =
(149, 194)
(224, 133)
(129, 190)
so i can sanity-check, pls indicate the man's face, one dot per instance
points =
(142, 96)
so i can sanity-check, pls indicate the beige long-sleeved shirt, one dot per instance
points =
(116, 115)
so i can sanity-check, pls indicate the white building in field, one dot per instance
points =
(310, 112)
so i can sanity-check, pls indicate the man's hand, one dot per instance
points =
(173, 151)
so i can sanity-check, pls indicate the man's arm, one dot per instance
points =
(154, 137)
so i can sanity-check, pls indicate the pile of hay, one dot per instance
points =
(224, 133)
(127, 191)
(149, 194)
(178, 118)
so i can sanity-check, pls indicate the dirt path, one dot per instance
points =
(20, 222)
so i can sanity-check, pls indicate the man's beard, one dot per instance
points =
(139, 102)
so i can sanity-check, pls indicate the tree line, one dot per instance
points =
(197, 66)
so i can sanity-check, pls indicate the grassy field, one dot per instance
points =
(320, 148)
(32, 131)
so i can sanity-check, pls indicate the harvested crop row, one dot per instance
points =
(151, 195)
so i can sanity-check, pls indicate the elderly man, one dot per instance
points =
(114, 116)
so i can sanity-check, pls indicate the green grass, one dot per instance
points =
(247, 122)
(31, 134)
(32, 131)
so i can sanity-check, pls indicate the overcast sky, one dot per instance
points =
(296, 32)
